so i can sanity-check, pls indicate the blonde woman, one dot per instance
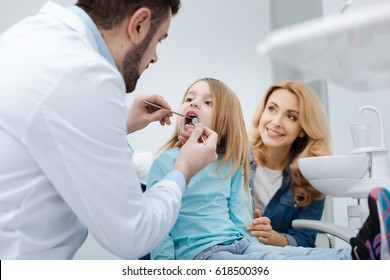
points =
(290, 123)
(216, 206)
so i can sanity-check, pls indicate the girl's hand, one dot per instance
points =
(260, 227)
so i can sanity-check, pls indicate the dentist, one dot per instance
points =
(65, 164)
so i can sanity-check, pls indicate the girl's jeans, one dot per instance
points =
(245, 249)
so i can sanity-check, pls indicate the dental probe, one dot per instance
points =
(193, 120)
(173, 112)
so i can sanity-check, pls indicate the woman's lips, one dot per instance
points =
(274, 133)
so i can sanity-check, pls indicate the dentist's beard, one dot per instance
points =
(132, 61)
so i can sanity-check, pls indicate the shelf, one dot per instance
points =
(351, 49)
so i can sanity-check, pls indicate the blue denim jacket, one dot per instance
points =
(282, 210)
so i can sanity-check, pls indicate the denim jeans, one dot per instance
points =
(245, 249)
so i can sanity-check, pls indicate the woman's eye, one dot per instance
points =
(271, 109)
(292, 117)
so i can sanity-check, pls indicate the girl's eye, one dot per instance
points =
(210, 103)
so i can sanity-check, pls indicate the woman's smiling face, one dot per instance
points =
(279, 124)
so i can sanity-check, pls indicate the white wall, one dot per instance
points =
(15, 10)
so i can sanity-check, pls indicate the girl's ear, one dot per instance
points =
(139, 25)
(302, 134)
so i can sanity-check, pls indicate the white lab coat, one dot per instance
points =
(65, 164)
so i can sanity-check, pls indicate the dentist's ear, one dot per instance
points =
(139, 25)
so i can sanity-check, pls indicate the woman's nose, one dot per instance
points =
(276, 122)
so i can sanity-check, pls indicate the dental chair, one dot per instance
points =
(326, 229)
(329, 234)
(142, 160)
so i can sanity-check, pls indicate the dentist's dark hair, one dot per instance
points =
(107, 14)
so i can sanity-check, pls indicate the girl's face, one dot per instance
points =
(279, 124)
(197, 103)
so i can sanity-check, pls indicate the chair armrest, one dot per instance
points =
(341, 232)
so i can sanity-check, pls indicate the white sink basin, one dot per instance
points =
(334, 167)
(340, 175)
(358, 188)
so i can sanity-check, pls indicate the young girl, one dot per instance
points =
(289, 124)
(216, 206)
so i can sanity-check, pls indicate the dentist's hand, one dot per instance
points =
(140, 114)
(194, 155)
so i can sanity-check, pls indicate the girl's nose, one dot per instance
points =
(194, 104)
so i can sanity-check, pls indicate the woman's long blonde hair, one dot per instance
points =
(316, 141)
(228, 122)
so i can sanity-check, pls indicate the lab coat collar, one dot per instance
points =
(103, 49)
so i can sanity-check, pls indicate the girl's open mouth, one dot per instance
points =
(190, 116)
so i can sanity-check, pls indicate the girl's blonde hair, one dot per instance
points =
(228, 122)
(316, 141)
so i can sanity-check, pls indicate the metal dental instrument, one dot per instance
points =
(173, 112)
(193, 120)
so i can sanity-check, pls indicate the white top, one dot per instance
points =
(266, 182)
(65, 164)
